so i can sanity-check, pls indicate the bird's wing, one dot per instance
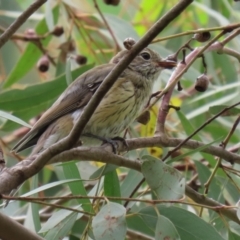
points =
(76, 96)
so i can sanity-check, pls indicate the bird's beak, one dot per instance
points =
(165, 63)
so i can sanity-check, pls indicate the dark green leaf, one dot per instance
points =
(112, 186)
(77, 188)
(188, 225)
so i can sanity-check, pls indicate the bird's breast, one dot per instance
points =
(118, 109)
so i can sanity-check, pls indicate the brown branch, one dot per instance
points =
(2, 161)
(11, 229)
(12, 177)
(19, 21)
(177, 74)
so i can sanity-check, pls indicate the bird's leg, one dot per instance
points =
(111, 141)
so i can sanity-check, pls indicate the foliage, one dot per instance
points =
(118, 203)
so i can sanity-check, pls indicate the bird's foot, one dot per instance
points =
(111, 141)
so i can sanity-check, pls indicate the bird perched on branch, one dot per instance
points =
(117, 110)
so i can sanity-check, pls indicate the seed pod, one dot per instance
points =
(43, 64)
(144, 118)
(80, 59)
(128, 43)
(202, 83)
(202, 37)
(112, 2)
(57, 31)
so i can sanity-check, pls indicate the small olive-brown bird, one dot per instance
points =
(117, 110)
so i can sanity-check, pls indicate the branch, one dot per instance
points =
(19, 21)
(104, 153)
(12, 177)
(11, 229)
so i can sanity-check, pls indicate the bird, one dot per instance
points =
(118, 109)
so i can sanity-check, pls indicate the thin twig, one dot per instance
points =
(200, 128)
(19, 21)
(41, 200)
(107, 25)
(191, 32)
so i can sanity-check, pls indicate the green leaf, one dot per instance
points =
(231, 112)
(165, 229)
(188, 128)
(25, 115)
(166, 182)
(107, 168)
(187, 125)
(32, 96)
(235, 227)
(31, 53)
(110, 222)
(233, 236)
(34, 206)
(57, 219)
(112, 186)
(48, 186)
(193, 151)
(188, 225)
(204, 108)
(32, 100)
(77, 188)
(215, 188)
(130, 182)
(121, 28)
(14, 119)
(62, 228)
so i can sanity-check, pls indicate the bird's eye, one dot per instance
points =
(145, 55)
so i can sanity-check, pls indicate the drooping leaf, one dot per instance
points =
(13, 118)
(166, 182)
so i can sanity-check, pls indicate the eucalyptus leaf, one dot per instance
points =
(14, 119)
(165, 229)
(188, 225)
(110, 222)
(62, 228)
(166, 182)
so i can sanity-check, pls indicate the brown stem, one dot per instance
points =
(20, 20)
(107, 25)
